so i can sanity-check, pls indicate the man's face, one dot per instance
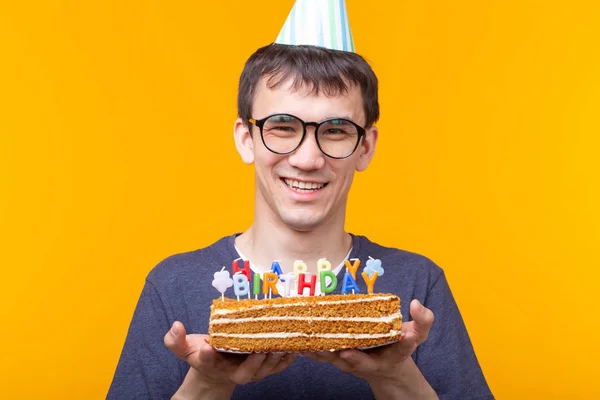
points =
(303, 189)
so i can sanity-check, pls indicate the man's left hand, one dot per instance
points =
(389, 366)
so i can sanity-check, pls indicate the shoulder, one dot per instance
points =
(191, 265)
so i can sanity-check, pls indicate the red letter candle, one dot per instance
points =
(303, 284)
(235, 266)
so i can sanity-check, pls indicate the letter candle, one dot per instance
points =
(352, 268)
(269, 283)
(300, 267)
(275, 267)
(302, 283)
(287, 283)
(370, 281)
(241, 287)
(256, 286)
(324, 287)
(323, 265)
(349, 283)
(235, 267)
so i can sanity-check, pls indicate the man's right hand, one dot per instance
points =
(213, 375)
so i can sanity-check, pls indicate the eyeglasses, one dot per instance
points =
(284, 133)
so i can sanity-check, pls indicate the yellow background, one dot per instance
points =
(116, 151)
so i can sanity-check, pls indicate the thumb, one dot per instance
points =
(176, 341)
(423, 319)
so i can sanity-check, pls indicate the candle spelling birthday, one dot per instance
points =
(245, 282)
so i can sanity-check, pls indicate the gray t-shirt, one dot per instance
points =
(179, 288)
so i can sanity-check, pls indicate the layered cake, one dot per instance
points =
(315, 323)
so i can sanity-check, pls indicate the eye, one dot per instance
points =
(333, 131)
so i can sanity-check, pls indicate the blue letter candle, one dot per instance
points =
(275, 267)
(241, 287)
(349, 283)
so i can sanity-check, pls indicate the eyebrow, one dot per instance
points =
(327, 117)
(338, 117)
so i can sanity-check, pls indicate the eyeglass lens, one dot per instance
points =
(336, 137)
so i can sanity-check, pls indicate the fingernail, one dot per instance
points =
(174, 330)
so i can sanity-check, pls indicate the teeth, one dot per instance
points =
(303, 186)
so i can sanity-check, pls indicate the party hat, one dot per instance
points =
(321, 23)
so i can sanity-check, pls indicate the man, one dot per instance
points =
(306, 123)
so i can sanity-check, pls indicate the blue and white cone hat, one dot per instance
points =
(322, 23)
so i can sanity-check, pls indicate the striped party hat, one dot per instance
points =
(322, 23)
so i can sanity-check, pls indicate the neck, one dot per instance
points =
(269, 239)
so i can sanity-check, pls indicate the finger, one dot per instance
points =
(423, 319)
(268, 364)
(208, 356)
(331, 357)
(243, 374)
(360, 361)
(175, 340)
(285, 362)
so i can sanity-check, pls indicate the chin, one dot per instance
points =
(302, 223)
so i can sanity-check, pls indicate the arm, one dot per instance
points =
(146, 369)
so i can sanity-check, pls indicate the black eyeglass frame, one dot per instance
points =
(261, 122)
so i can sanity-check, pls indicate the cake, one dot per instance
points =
(314, 323)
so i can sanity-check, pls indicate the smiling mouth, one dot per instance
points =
(303, 187)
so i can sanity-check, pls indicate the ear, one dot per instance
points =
(366, 149)
(243, 141)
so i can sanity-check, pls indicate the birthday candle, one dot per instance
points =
(222, 281)
(287, 283)
(235, 267)
(256, 285)
(269, 283)
(300, 267)
(322, 277)
(241, 287)
(323, 265)
(349, 283)
(370, 281)
(303, 284)
(352, 267)
(275, 267)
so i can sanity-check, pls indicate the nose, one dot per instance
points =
(308, 156)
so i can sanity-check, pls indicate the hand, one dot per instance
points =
(386, 363)
(214, 369)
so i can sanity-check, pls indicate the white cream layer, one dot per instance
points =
(386, 319)
(284, 335)
(224, 311)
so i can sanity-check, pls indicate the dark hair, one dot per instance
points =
(321, 70)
